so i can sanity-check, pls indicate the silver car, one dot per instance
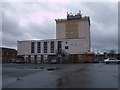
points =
(111, 60)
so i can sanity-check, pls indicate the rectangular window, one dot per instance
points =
(59, 46)
(66, 27)
(38, 57)
(32, 58)
(71, 22)
(76, 37)
(71, 36)
(66, 47)
(66, 32)
(67, 23)
(67, 37)
(76, 27)
(71, 32)
(76, 32)
(32, 47)
(45, 57)
(38, 47)
(76, 22)
(52, 46)
(71, 27)
(45, 47)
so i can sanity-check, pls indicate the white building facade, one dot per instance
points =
(40, 50)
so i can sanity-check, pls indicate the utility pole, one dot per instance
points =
(97, 53)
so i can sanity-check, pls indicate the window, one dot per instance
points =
(76, 36)
(32, 47)
(71, 27)
(66, 47)
(45, 57)
(32, 58)
(38, 57)
(52, 46)
(45, 47)
(59, 46)
(38, 47)
(76, 32)
(67, 37)
(76, 22)
(66, 22)
(71, 36)
(66, 32)
(76, 27)
(71, 32)
(71, 22)
(66, 27)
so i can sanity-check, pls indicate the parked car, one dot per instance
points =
(111, 60)
(17, 61)
(95, 61)
(86, 60)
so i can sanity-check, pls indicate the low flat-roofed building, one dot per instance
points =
(36, 51)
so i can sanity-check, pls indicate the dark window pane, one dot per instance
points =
(66, 47)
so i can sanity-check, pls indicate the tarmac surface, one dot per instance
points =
(86, 75)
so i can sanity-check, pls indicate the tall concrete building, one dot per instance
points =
(73, 27)
(72, 39)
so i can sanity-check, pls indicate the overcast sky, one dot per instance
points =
(36, 20)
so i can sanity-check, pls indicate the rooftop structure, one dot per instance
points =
(77, 16)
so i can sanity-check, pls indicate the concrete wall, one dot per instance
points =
(83, 30)
(76, 46)
(60, 31)
(24, 47)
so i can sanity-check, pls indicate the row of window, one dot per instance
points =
(52, 47)
(71, 23)
(72, 27)
(72, 37)
(39, 47)
(46, 47)
(72, 32)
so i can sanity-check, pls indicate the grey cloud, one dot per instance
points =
(46, 30)
(103, 33)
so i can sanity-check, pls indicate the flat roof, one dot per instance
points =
(82, 38)
(72, 18)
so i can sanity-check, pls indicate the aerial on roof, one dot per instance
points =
(70, 16)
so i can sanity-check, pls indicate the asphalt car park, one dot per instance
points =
(85, 75)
